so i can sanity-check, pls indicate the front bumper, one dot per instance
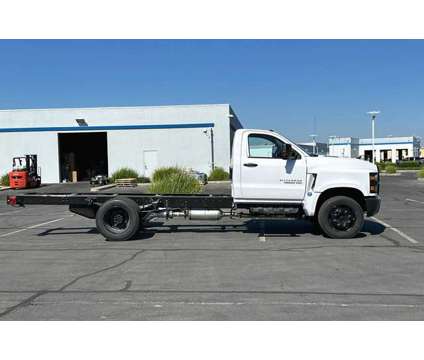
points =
(373, 204)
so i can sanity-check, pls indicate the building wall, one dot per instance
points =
(234, 125)
(343, 147)
(186, 147)
(19, 144)
(395, 148)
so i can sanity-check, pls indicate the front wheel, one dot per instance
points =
(118, 219)
(341, 217)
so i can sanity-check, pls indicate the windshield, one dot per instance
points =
(309, 152)
(308, 149)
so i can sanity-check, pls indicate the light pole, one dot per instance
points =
(373, 116)
(209, 134)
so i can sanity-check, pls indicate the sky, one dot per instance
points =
(296, 87)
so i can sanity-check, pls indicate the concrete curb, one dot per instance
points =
(4, 188)
(219, 182)
(420, 180)
(386, 174)
(103, 187)
(209, 182)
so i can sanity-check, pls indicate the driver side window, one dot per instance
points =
(265, 146)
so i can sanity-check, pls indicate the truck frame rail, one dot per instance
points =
(195, 201)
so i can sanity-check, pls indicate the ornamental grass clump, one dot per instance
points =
(165, 172)
(391, 169)
(218, 174)
(124, 173)
(177, 181)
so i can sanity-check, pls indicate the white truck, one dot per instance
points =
(271, 178)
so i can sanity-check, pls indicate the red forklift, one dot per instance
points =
(25, 173)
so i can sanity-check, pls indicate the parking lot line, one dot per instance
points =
(32, 227)
(160, 304)
(11, 212)
(416, 201)
(401, 233)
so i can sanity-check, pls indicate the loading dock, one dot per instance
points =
(85, 153)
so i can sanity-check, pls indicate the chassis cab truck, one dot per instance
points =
(271, 178)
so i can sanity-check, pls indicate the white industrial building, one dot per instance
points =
(343, 146)
(94, 141)
(386, 149)
(390, 148)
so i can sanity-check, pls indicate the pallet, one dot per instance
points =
(126, 185)
(126, 182)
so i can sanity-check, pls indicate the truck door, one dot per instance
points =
(266, 175)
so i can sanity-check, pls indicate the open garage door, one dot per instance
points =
(85, 153)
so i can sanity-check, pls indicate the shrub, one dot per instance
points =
(391, 169)
(165, 172)
(421, 173)
(218, 174)
(381, 166)
(4, 180)
(176, 183)
(412, 165)
(124, 173)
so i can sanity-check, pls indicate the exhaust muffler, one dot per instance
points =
(205, 214)
(193, 214)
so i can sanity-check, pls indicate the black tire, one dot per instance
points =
(118, 219)
(316, 228)
(341, 217)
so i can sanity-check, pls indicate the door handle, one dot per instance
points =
(250, 164)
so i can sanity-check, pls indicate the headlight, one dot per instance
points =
(374, 183)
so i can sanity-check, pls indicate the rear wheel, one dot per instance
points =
(341, 217)
(118, 219)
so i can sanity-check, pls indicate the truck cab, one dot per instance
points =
(270, 172)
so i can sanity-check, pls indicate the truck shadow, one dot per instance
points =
(281, 228)
(69, 231)
(86, 230)
(273, 228)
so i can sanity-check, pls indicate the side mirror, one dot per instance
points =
(286, 151)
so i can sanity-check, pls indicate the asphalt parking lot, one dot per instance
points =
(55, 266)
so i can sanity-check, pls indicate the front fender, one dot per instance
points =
(312, 197)
(357, 185)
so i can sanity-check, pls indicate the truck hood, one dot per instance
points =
(338, 164)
